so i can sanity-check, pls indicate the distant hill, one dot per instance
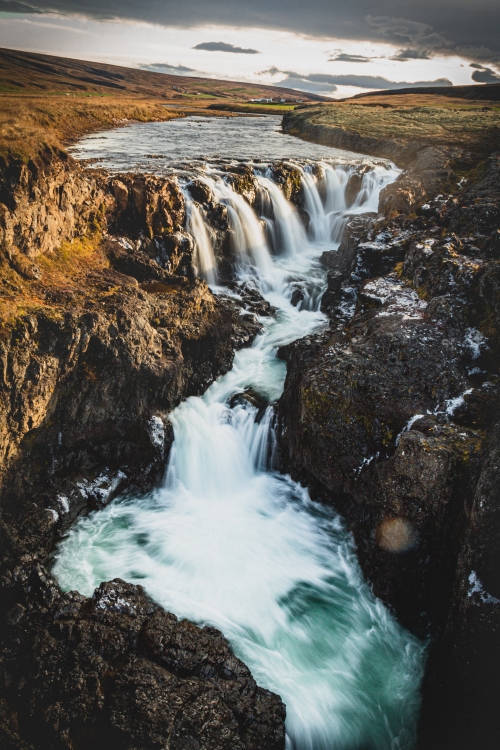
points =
(30, 73)
(475, 92)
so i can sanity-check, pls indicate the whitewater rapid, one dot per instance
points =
(230, 542)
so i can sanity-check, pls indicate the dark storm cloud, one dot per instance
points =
(15, 7)
(223, 47)
(437, 26)
(327, 82)
(485, 75)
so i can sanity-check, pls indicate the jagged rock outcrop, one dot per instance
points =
(392, 415)
(117, 671)
(44, 203)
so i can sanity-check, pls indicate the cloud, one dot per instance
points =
(485, 75)
(438, 26)
(180, 70)
(411, 54)
(398, 29)
(303, 84)
(12, 6)
(223, 47)
(317, 82)
(344, 57)
(270, 71)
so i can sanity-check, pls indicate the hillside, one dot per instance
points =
(482, 92)
(27, 73)
(51, 101)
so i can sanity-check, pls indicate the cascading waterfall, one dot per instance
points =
(205, 262)
(248, 235)
(230, 542)
(288, 231)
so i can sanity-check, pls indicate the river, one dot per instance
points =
(227, 540)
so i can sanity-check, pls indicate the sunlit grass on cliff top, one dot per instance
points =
(69, 277)
(428, 118)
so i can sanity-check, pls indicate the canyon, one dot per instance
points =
(388, 415)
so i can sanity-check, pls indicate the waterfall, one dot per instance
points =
(249, 239)
(205, 263)
(319, 225)
(289, 236)
(336, 179)
(229, 542)
(279, 230)
(373, 182)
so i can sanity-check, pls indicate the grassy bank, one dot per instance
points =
(29, 123)
(419, 119)
(252, 108)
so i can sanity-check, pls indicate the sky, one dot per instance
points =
(336, 48)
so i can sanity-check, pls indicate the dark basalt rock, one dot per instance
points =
(297, 297)
(390, 415)
(243, 181)
(176, 255)
(117, 671)
(462, 689)
(249, 298)
(199, 191)
(146, 205)
(289, 178)
(87, 383)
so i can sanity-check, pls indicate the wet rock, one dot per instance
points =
(242, 180)
(200, 191)
(297, 297)
(117, 671)
(289, 178)
(250, 396)
(462, 689)
(249, 298)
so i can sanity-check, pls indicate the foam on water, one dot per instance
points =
(230, 542)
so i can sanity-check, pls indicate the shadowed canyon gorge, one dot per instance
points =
(250, 437)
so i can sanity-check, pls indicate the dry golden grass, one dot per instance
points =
(29, 123)
(419, 100)
(65, 268)
(69, 277)
(466, 124)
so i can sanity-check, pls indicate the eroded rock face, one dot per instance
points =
(350, 399)
(117, 671)
(147, 205)
(390, 415)
(45, 203)
(87, 380)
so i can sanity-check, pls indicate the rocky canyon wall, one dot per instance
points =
(105, 330)
(392, 416)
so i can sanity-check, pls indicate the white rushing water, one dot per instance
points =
(230, 542)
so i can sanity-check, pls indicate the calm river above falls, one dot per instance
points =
(227, 540)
